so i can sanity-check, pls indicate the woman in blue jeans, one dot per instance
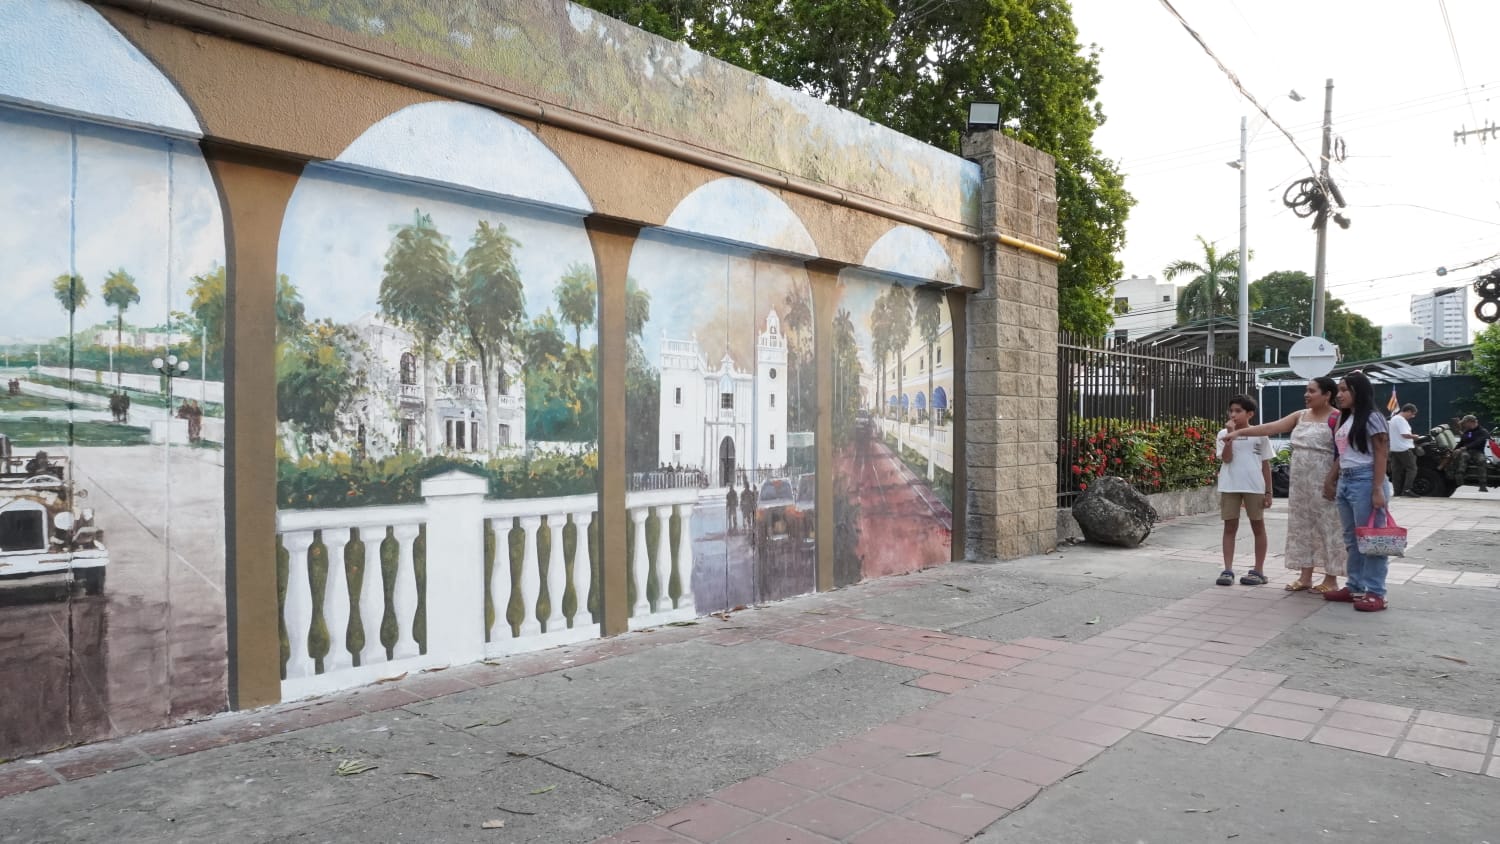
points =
(1357, 484)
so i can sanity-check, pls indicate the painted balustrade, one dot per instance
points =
(541, 575)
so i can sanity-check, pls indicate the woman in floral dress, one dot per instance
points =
(1314, 535)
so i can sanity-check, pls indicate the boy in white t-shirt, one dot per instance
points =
(1244, 482)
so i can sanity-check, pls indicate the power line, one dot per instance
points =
(1453, 45)
(1235, 80)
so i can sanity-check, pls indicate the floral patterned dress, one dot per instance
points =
(1314, 535)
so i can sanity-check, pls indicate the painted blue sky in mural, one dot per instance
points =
(339, 225)
(122, 218)
(53, 53)
(455, 162)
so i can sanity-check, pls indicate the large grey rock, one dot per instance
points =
(1112, 512)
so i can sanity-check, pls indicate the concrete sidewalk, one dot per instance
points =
(1090, 695)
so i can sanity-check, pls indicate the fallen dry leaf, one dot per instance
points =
(427, 774)
(924, 753)
(401, 676)
(350, 767)
(544, 789)
(494, 823)
(1452, 659)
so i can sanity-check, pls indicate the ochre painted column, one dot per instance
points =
(1011, 406)
(613, 241)
(254, 189)
(824, 278)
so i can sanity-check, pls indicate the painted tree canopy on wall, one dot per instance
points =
(914, 66)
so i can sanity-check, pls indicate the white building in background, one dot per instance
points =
(1143, 305)
(725, 419)
(390, 413)
(1400, 339)
(1443, 315)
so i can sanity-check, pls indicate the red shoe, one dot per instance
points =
(1341, 594)
(1370, 603)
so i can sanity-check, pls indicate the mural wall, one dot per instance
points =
(112, 612)
(436, 314)
(721, 371)
(894, 395)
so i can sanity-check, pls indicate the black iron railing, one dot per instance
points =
(1145, 413)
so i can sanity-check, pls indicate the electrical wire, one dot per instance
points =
(1235, 80)
(1453, 45)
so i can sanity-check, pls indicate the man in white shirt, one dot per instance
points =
(1403, 458)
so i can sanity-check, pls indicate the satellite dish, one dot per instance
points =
(1312, 357)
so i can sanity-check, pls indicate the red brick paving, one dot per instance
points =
(1014, 718)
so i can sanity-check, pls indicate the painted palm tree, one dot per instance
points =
(899, 333)
(846, 374)
(929, 318)
(417, 293)
(577, 300)
(120, 293)
(491, 305)
(72, 294)
(1212, 290)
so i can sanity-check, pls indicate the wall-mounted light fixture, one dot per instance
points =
(984, 116)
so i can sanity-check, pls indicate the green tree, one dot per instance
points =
(898, 337)
(847, 373)
(315, 381)
(72, 294)
(491, 304)
(416, 293)
(913, 65)
(1213, 290)
(929, 317)
(120, 293)
(577, 299)
(1284, 300)
(1486, 367)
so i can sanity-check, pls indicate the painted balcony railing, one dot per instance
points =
(460, 577)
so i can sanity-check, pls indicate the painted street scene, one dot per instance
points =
(727, 398)
(111, 435)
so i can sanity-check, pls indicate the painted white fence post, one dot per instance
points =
(557, 575)
(299, 607)
(583, 570)
(664, 557)
(531, 577)
(404, 593)
(371, 595)
(335, 600)
(641, 562)
(455, 566)
(685, 555)
(500, 575)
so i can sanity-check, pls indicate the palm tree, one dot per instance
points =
(416, 292)
(577, 297)
(1214, 281)
(898, 312)
(491, 304)
(120, 293)
(929, 318)
(72, 294)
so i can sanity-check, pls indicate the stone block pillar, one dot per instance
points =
(1011, 406)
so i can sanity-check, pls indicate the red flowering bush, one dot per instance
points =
(1151, 456)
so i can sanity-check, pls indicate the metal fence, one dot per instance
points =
(1119, 386)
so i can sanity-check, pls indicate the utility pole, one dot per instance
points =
(1321, 265)
(1489, 129)
(1244, 270)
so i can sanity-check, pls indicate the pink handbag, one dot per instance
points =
(1388, 541)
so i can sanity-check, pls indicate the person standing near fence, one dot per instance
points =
(1314, 536)
(1358, 486)
(1403, 450)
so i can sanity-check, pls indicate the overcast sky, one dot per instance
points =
(1417, 201)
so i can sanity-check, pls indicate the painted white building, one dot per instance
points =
(1143, 305)
(725, 419)
(390, 414)
(1443, 315)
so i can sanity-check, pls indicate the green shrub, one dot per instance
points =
(1152, 456)
(343, 480)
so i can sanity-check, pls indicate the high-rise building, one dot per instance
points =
(1443, 315)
